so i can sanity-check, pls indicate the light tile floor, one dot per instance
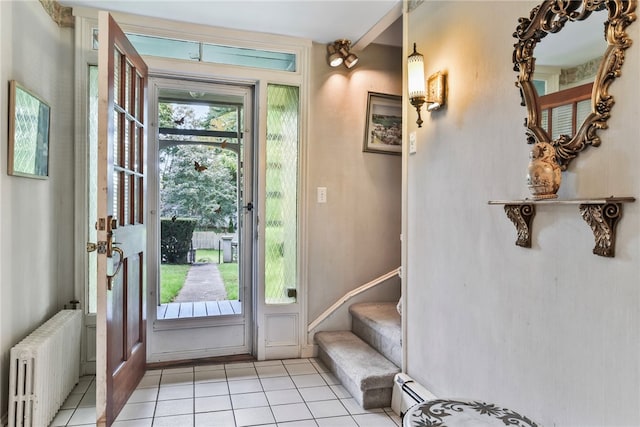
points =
(292, 393)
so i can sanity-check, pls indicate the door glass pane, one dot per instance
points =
(116, 194)
(281, 203)
(125, 143)
(126, 200)
(92, 190)
(199, 164)
(127, 87)
(116, 77)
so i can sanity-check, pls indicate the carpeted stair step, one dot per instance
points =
(364, 372)
(378, 324)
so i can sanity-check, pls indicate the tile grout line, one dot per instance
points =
(233, 412)
(289, 375)
(303, 399)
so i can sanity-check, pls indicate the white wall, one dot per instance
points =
(552, 331)
(355, 236)
(36, 216)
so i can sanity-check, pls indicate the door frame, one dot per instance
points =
(159, 332)
(85, 57)
(86, 21)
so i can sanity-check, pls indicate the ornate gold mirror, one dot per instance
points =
(585, 106)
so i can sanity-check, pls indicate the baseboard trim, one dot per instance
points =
(200, 361)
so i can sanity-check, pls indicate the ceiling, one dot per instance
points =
(322, 21)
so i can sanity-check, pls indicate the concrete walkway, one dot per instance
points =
(203, 283)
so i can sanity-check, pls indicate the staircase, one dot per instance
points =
(365, 359)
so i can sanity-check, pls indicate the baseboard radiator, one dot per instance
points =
(406, 393)
(45, 367)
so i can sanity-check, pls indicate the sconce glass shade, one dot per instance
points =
(416, 82)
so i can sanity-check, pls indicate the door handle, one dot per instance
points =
(120, 253)
(248, 207)
(112, 224)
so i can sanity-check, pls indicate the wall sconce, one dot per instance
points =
(338, 53)
(433, 94)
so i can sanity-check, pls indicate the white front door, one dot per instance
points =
(202, 220)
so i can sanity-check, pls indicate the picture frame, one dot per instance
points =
(29, 124)
(383, 128)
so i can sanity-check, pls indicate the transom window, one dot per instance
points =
(190, 50)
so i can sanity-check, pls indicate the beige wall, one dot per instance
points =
(36, 216)
(552, 331)
(355, 236)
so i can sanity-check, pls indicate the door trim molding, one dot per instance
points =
(158, 330)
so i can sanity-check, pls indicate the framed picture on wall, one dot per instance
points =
(383, 128)
(28, 133)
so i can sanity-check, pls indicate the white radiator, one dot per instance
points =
(45, 367)
(406, 393)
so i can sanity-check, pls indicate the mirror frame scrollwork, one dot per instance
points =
(550, 17)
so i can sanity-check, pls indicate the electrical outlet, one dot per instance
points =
(322, 194)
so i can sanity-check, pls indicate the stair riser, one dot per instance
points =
(368, 399)
(384, 345)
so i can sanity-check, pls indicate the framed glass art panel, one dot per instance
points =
(29, 119)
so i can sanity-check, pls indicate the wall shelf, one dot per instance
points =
(602, 215)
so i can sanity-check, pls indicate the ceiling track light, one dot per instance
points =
(338, 54)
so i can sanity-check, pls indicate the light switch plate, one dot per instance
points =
(412, 143)
(322, 194)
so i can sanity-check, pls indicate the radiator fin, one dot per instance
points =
(45, 367)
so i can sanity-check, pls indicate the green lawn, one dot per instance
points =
(229, 273)
(172, 276)
(207, 255)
